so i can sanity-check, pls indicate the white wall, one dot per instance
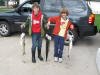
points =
(95, 6)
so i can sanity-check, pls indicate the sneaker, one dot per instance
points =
(60, 60)
(56, 59)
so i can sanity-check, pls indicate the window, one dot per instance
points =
(74, 6)
(53, 5)
(26, 7)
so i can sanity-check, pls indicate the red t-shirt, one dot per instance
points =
(36, 22)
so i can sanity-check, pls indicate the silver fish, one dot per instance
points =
(22, 42)
(70, 37)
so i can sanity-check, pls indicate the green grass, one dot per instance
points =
(5, 9)
(97, 21)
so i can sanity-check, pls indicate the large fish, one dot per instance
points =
(70, 38)
(22, 42)
(48, 38)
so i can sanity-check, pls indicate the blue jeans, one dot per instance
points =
(36, 41)
(58, 46)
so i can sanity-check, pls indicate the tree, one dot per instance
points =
(6, 2)
(93, 0)
(1, 2)
(17, 0)
(88, 1)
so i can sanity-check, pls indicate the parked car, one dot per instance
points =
(80, 15)
(13, 4)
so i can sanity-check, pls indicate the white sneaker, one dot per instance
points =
(56, 59)
(60, 60)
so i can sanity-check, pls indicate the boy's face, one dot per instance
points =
(63, 15)
(36, 9)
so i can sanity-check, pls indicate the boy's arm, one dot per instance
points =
(52, 19)
(71, 26)
(24, 26)
(27, 22)
(44, 22)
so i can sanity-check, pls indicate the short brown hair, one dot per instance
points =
(36, 5)
(64, 10)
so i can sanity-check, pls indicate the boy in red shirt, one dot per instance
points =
(35, 22)
(60, 32)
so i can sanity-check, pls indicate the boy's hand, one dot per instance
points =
(72, 27)
(48, 24)
(22, 26)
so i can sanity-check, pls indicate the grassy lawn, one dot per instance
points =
(97, 21)
(5, 9)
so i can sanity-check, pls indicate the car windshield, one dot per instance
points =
(74, 6)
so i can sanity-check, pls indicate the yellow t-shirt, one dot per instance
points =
(63, 27)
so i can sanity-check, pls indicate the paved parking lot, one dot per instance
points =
(82, 61)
